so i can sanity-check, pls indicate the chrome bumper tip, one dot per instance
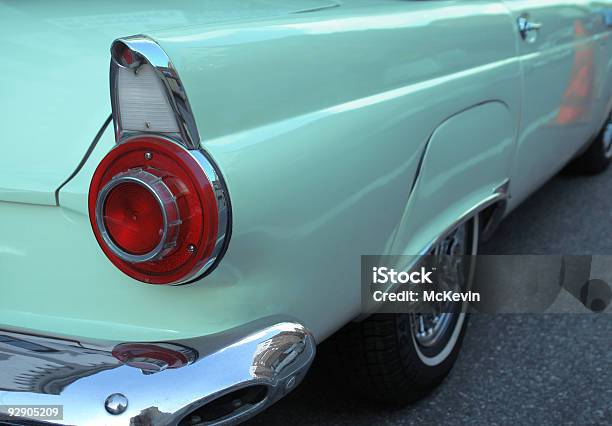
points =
(181, 383)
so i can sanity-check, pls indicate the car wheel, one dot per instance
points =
(597, 157)
(398, 358)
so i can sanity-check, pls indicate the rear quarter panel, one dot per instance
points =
(318, 122)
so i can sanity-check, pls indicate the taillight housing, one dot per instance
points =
(158, 206)
(154, 210)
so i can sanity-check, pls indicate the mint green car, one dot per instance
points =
(174, 252)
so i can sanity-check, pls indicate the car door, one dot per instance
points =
(602, 23)
(558, 58)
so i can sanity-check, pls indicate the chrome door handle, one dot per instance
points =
(529, 30)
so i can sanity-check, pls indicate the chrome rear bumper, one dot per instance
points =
(214, 379)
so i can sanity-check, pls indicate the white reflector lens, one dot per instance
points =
(143, 103)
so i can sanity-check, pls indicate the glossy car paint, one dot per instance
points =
(566, 71)
(55, 91)
(320, 122)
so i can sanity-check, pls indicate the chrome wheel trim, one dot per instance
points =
(428, 329)
(446, 318)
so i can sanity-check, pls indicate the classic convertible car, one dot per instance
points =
(174, 252)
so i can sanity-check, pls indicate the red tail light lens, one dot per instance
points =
(155, 212)
(133, 218)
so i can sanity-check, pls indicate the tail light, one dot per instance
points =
(157, 204)
(153, 358)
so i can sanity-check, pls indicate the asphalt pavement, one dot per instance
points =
(544, 369)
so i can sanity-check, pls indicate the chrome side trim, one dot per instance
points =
(146, 51)
(82, 376)
(499, 195)
(498, 213)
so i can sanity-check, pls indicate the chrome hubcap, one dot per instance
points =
(429, 328)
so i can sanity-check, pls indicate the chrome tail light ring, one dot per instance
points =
(167, 205)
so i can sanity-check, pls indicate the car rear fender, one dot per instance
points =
(464, 169)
